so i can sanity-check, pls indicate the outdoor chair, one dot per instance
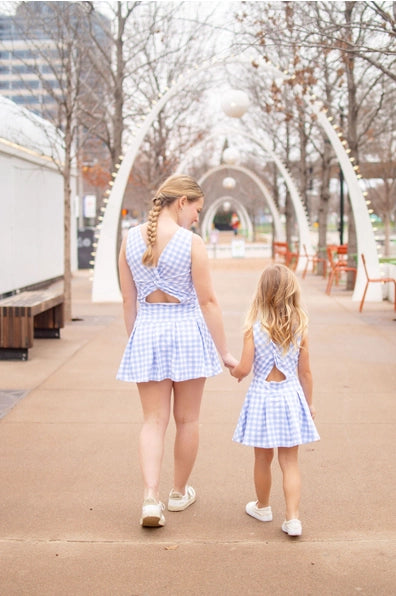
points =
(337, 264)
(314, 259)
(382, 280)
(282, 252)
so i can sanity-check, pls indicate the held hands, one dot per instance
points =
(229, 361)
(236, 373)
(233, 366)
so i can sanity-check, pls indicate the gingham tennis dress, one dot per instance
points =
(274, 414)
(168, 340)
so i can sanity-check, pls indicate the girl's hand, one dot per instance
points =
(237, 374)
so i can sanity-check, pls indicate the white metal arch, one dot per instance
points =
(207, 221)
(105, 287)
(279, 235)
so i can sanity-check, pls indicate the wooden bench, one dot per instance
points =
(28, 315)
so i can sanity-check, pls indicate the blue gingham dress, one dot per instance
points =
(168, 340)
(274, 414)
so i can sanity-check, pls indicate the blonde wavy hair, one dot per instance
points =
(173, 188)
(277, 306)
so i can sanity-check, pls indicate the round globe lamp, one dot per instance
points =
(235, 103)
(229, 183)
(231, 156)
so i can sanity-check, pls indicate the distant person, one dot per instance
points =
(278, 409)
(235, 223)
(174, 324)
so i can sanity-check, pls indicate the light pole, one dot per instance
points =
(341, 229)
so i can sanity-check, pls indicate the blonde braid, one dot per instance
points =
(148, 257)
(174, 187)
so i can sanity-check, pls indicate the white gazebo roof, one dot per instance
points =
(27, 130)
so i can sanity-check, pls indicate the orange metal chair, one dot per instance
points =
(281, 250)
(382, 280)
(337, 265)
(314, 259)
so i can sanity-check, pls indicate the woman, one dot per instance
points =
(174, 324)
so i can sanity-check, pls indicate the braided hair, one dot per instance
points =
(172, 189)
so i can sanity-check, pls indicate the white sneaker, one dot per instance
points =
(179, 502)
(152, 513)
(263, 514)
(292, 527)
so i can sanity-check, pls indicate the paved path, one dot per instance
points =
(70, 487)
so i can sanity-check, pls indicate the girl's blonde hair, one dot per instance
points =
(173, 188)
(276, 305)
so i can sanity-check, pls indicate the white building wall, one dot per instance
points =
(31, 219)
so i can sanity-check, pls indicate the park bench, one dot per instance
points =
(28, 315)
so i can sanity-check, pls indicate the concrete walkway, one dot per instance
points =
(70, 485)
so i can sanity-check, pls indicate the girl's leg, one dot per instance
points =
(262, 475)
(155, 398)
(288, 461)
(187, 403)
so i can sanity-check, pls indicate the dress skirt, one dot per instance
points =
(275, 415)
(169, 341)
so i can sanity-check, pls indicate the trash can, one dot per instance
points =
(85, 240)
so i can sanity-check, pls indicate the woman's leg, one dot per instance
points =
(262, 475)
(288, 461)
(186, 408)
(156, 399)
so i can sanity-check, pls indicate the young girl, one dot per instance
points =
(278, 410)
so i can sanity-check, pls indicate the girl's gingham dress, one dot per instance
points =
(168, 340)
(274, 414)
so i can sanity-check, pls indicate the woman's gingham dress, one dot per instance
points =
(168, 340)
(274, 414)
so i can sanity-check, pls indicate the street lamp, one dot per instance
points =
(235, 103)
(229, 183)
(231, 156)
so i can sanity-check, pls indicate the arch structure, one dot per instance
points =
(105, 287)
(247, 224)
(208, 218)
(299, 209)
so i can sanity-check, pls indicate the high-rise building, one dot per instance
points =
(33, 47)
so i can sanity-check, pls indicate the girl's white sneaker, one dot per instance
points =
(263, 514)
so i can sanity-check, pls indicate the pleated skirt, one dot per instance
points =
(275, 415)
(169, 341)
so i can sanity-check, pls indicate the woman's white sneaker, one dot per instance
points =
(179, 502)
(152, 513)
(263, 514)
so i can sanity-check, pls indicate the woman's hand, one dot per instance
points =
(229, 361)
(312, 409)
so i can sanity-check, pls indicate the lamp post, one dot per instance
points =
(341, 177)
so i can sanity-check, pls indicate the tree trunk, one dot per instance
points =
(352, 135)
(67, 230)
(324, 200)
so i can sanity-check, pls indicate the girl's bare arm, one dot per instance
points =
(244, 366)
(305, 374)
